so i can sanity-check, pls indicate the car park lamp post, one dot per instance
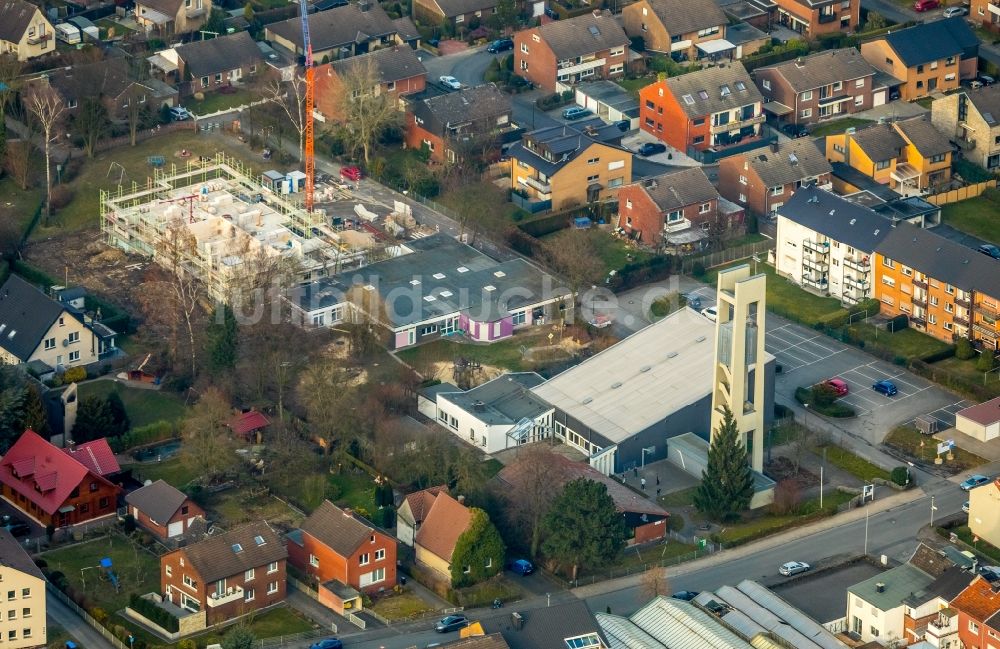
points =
(933, 509)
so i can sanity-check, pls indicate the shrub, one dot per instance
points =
(900, 475)
(74, 375)
(898, 323)
(963, 349)
(985, 361)
(787, 497)
(187, 643)
(99, 614)
(58, 579)
(128, 524)
(698, 269)
(153, 613)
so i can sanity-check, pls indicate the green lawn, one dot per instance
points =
(17, 206)
(853, 464)
(906, 343)
(216, 101)
(635, 85)
(355, 490)
(976, 216)
(400, 606)
(143, 406)
(682, 498)
(967, 370)
(838, 126)
(633, 559)
(965, 534)
(755, 528)
(272, 623)
(505, 354)
(924, 447)
(614, 252)
(138, 571)
(174, 471)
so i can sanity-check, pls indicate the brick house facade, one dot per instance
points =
(399, 69)
(653, 207)
(977, 606)
(674, 26)
(162, 510)
(764, 179)
(814, 18)
(458, 123)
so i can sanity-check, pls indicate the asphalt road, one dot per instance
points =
(81, 632)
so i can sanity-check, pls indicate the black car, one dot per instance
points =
(500, 45)
(990, 249)
(795, 130)
(451, 623)
(551, 13)
(651, 148)
(16, 527)
(624, 125)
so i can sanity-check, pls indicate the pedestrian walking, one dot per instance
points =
(642, 483)
(657, 492)
(657, 479)
(635, 471)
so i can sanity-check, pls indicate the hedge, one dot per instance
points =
(157, 431)
(637, 273)
(547, 224)
(149, 610)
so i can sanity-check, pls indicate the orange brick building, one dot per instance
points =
(654, 208)
(764, 179)
(816, 17)
(458, 124)
(399, 70)
(977, 607)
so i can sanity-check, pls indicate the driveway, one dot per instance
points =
(468, 65)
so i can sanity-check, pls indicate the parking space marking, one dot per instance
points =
(946, 414)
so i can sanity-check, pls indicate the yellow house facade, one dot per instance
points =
(25, 32)
(22, 597)
(984, 502)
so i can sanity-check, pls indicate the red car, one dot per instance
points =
(351, 173)
(926, 5)
(839, 386)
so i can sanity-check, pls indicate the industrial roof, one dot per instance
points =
(669, 623)
(505, 400)
(837, 218)
(896, 585)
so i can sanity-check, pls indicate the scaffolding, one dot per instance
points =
(224, 213)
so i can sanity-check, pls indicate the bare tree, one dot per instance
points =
(541, 480)
(208, 442)
(10, 70)
(290, 97)
(654, 583)
(572, 253)
(134, 112)
(325, 394)
(367, 111)
(17, 162)
(48, 108)
(92, 123)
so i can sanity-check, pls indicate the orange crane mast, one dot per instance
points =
(309, 153)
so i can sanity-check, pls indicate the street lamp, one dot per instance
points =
(933, 509)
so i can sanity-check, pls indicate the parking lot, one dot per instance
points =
(945, 415)
(823, 595)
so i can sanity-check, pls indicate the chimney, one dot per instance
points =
(348, 512)
(774, 146)
(880, 587)
(479, 406)
(461, 499)
(798, 62)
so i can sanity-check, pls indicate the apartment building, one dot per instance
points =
(560, 54)
(675, 27)
(817, 87)
(928, 58)
(972, 119)
(762, 180)
(22, 597)
(813, 18)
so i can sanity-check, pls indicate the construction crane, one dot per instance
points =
(309, 153)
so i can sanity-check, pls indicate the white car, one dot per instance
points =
(793, 568)
(179, 113)
(951, 12)
(712, 313)
(451, 82)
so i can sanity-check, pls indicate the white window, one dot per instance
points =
(74, 337)
(806, 96)
(618, 51)
(248, 575)
(838, 86)
(860, 83)
(170, 571)
(705, 207)
(777, 190)
(364, 559)
(272, 588)
(74, 356)
(460, 19)
(50, 343)
(204, 82)
(318, 319)
(888, 281)
(524, 48)
(766, 83)
(806, 113)
(190, 582)
(743, 198)
(859, 100)
(973, 627)
(380, 554)
(743, 180)
(272, 567)
(249, 594)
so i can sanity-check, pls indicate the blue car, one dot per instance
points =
(973, 481)
(329, 643)
(886, 387)
(522, 567)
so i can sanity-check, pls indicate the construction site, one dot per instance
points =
(211, 216)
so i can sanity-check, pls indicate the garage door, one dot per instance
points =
(878, 97)
(175, 529)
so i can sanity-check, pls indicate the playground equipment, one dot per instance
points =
(106, 568)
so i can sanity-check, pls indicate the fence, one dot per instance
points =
(110, 637)
(836, 626)
(280, 640)
(960, 194)
(144, 134)
(725, 256)
(356, 621)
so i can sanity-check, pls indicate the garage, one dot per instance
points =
(175, 529)
(981, 421)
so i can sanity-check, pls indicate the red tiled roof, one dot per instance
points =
(97, 456)
(248, 422)
(984, 413)
(978, 600)
(50, 476)
(445, 522)
(420, 501)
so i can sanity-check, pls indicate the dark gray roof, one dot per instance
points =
(721, 87)
(549, 149)
(942, 259)
(406, 29)
(547, 628)
(235, 552)
(220, 54)
(338, 529)
(861, 181)
(837, 218)
(686, 16)
(793, 161)
(393, 63)
(610, 93)
(159, 500)
(504, 400)
(17, 16)
(879, 142)
(337, 27)
(476, 109)
(987, 102)
(583, 35)
(452, 8)
(924, 136)
(12, 555)
(109, 78)
(741, 33)
(26, 314)
(677, 189)
(823, 69)
(932, 41)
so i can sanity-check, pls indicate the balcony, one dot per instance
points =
(735, 126)
(862, 265)
(827, 18)
(857, 284)
(539, 186)
(986, 311)
(819, 283)
(961, 320)
(576, 68)
(963, 301)
(232, 594)
(194, 12)
(676, 226)
(817, 266)
(40, 38)
(920, 283)
(988, 332)
(816, 247)
(919, 301)
(918, 321)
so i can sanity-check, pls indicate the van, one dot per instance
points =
(69, 34)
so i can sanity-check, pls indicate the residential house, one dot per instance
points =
(653, 209)
(876, 606)
(458, 125)
(53, 487)
(814, 18)
(111, 82)
(96, 455)
(399, 69)
(983, 521)
(562, 53)
(674, 27)
(434, 544)
(25, 32)
(249, 426)
(346, 556)
(163, 510)
(34, 327)
(712, 109)
(931, 57)
(972, 119)
(499, 414)
(172, 17)
(221, 62)
(826, 243)
(467, 14)
(226, 575)
(981, 421)
(819, 86)
(557, 167)
(927, 615)
(977, 606)
(947, 289)
(340, 32)
(412, 512)
(911, 156)
(986, 13)
(23, 625)
(764, 179)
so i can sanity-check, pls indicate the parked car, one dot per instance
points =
(886, 387)
(522, 567)
(351, 173)
(973, 481)
(986, 80)
(451, 623)
(329, 643)
(551, 13)
(685, 595)
(894, 95)
(795, 130)
(693, 301)
(990, 249)
(179, 113)
(839, 386)
(651, 148)
(575, 112)
(793, 568)
(624, 125)
(19, 529)
(500, 45)
(951, 12)
(600, 321)
(712, 313)
(926, 5)
(450, 82)
(965, 507)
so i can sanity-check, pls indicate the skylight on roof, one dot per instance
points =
(11, 334)
(703, 94)
(414, 282)
(446, 293)
(237, 548)
(688, 99)
(259, 540)
(369, 287)
(499, 273)
(594, 31)
(724, 89)
(740, 85)
(489, 287)
(438, 276)
(462, 269)
(429, 298)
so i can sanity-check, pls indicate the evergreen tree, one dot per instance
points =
(34, 411)
(222, 340)
(727, 481)
(583, 526)
(120, 423)
(239, 637)
(12, 397)
(93, 420)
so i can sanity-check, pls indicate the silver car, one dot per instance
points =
(793, 568)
